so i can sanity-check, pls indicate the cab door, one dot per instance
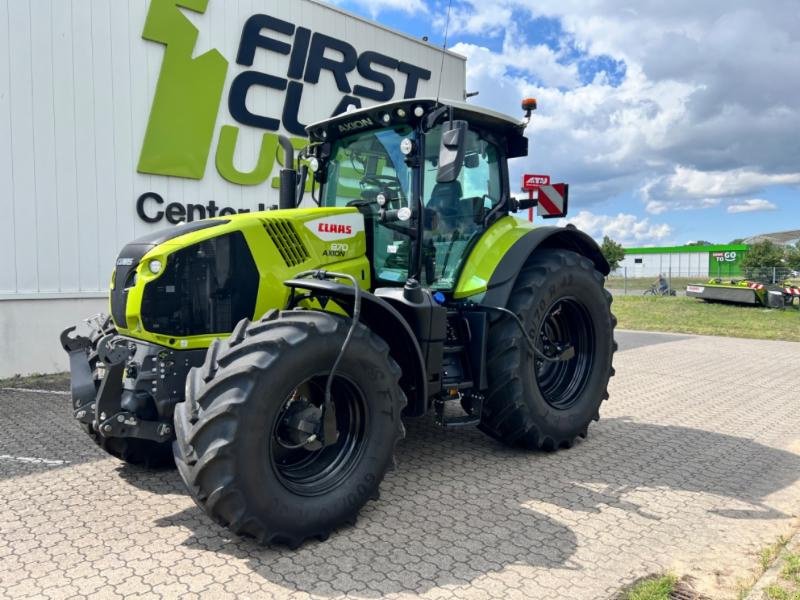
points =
(455, 211)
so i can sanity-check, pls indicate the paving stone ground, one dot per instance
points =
(693, 467)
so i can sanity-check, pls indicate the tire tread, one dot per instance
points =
(506, 417)
(208, 468)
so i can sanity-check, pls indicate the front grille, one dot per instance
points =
(119, 295)
(286, 240)
(124, 279)
(205, 288)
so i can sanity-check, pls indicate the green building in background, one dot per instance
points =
(723, 260)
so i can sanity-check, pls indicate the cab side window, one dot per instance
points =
(455, 210)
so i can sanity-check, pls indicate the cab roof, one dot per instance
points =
(373, 117)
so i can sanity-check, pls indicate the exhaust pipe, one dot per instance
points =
(288, 176)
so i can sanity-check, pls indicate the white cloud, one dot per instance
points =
(658, 207)
(624, 228)
(699, 116)
(376, 7)
(539, 61)
(752, 205)
(485, 19)
(696, 184)
(700, 119)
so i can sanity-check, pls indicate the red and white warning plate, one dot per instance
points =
(553, 200)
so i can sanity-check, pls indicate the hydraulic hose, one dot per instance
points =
(329, 410)
(565, 354)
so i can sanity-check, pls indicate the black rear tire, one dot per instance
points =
(233, 450)
(535, 404)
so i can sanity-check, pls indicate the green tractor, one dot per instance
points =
(274, 355)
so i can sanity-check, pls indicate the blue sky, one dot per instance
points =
(672, 122)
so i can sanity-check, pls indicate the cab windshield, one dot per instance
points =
(369, 168)
(365, 164)
(362, 167)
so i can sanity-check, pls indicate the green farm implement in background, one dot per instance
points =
(744, 291)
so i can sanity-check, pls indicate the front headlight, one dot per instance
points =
(155, 266)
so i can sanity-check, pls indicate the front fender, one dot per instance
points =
(382, 318)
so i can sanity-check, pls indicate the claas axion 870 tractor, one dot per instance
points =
(275, 354)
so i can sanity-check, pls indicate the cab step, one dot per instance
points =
(469, 418)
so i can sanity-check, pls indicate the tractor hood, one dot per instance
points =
(184, 286)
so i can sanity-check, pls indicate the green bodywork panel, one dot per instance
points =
(349, 257)
(487, 254)
(345, 255)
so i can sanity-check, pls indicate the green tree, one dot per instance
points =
(613, 252)
(699, 243)
(793, 257)
(763, 254)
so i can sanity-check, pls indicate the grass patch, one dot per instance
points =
(776, 592)
(791, 568)
(652, 588)
(689, 315)
(788, 586)
(766, 556)
(55, 381)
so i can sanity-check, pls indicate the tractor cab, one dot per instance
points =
(428, 178)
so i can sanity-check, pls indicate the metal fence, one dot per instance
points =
(623, 282)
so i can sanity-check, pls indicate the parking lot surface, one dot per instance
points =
(694, 466)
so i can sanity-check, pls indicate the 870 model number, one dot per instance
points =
(337, 250)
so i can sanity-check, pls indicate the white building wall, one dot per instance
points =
(30, 328)
(679, 264)
(77, 82)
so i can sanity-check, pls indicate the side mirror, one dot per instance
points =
(451, 151)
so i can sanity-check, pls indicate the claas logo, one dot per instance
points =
(334, 228)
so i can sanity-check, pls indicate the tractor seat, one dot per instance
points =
(454, 214)
(446, 199)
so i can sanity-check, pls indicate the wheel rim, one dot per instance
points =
(562, 383)
(312, 470)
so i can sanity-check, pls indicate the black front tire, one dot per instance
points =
(537, 404)
(142, 453)
(236, 409)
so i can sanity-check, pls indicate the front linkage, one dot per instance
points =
(125, 388)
